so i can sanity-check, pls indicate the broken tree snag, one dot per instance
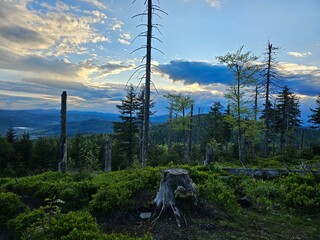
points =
(62, 165)
(107, 163)
(175, 183)
(209, 156)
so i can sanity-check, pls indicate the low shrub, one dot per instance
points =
(219, 192)
(10, 206)
(39, 224)
(302, 193)
(25, 220)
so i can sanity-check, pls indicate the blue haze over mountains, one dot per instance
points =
(39, 122)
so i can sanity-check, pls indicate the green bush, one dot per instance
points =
(77, 194)
(10, 206)
(302, 193)
(217, 191)
(38, 224)
(25, 220)
(117, 189)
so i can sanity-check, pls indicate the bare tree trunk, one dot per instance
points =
(256, 103)
(209, 156)
(145, 140)
(198, 125)
(107, 164)
(170, 131)
(302, 140)
(240, 147)
(267, 109)
(62, 165)
(190, 132)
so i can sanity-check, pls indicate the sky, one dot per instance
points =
(87, 48)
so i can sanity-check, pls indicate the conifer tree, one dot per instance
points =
(314, 118)
(287, 115)
(216, 127)
(127, 130)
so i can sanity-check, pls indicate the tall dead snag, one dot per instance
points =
(151, 9)
(145, 139)
(62, 165)
(269, 80)
(107, 164)
(175, 183)
(190, 134)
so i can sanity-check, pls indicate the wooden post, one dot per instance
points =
(62, 165)
(107, 164)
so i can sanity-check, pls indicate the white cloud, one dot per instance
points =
(96, 3)
(117, 25)
(298, 69)
(300, 54)
(59, 30)
(214, 3)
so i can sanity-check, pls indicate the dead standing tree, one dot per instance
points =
(151, 9)
(270, 79)
(62, 165)
(107, 164)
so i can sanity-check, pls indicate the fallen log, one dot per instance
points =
(266, 173)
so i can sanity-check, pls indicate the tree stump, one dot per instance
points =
(175, 183)
(209, 156)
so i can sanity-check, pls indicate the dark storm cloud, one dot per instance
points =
(188, 72)
(196, 72)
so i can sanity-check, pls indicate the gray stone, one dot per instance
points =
(145, 215)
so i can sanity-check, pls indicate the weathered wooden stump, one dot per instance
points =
(175, 183)
(210, 158)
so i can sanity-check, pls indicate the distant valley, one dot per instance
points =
(39, 122)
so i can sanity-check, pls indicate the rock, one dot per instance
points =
(145, 215)
(245, 202)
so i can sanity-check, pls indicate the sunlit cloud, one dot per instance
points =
(124, 38)
(298, 69)
(96, 3)
(57, 31)
(300, 54)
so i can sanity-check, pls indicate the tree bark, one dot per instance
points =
(145, 140)
(209, 156)
(62, 165)
(107, 164)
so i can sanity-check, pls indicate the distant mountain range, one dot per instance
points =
(47, 122)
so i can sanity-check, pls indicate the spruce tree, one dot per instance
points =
(314, 118)
(287, 116)
(216, 124)
(127, 130)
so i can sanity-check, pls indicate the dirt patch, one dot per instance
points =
(203, 221)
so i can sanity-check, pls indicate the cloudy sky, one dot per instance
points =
(85, 47)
